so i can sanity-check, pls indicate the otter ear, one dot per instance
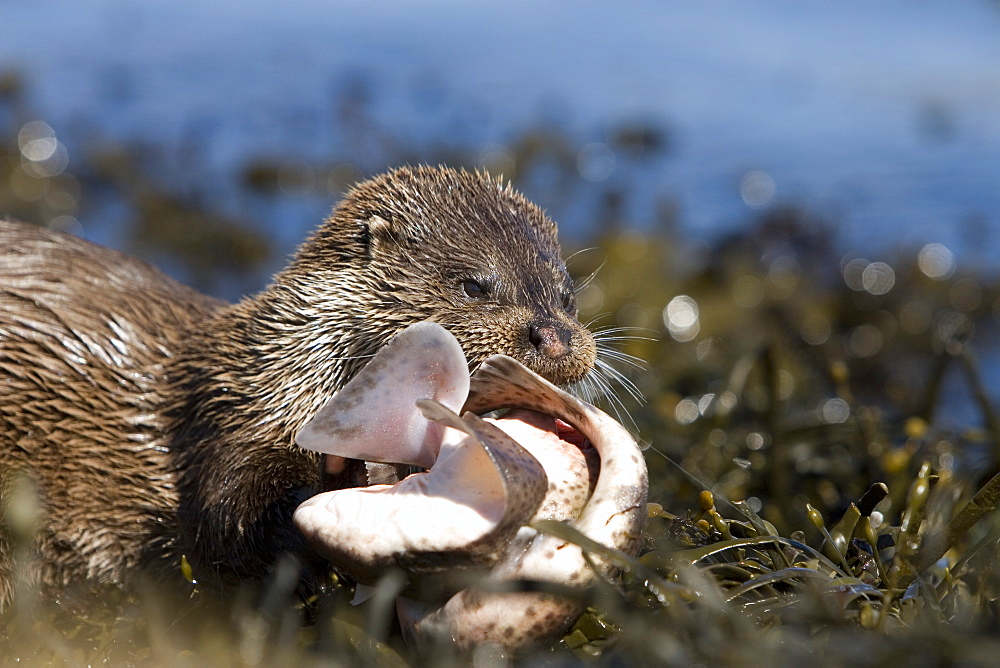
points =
(377, 225)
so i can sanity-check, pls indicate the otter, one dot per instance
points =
(156, 422)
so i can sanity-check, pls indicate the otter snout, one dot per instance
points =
(561, 350)
(550, 339)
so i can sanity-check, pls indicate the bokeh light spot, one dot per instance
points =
(686, 411)
(53, 165)
(681, 318)
(498, 160)
(757, 189)
(936, 261)
(915, 317)
(595, 162)
(853, 272)
(37, 141)
(591, 298)
(27, 187)
(816, 329)
(878, 278)
(42, 156)
(67, 224)
(834, 411)
(951, 326)
(965, 295)
(636, 315)
(786, 384)
(727, 402)
(717, 437)
(865, 340)
(61, 200)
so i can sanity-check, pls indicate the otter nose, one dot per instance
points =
(550, 339)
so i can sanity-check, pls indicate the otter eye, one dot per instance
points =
(473, 289)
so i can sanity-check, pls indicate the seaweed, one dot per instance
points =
(822, 443)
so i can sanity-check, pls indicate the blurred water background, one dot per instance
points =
(211, 136)
(884, 117)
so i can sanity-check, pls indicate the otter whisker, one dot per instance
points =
(588, 388)
(606, 333)
(618, 335)
(605, 383)
(585, 389)
(599, 386)
(611, 374)
(585, 283)
(624, 328)
(629, 361)
(623, 357)
(580, 252)
(594, 319)
(610, 397)
(607, 346)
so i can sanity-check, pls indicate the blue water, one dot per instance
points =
(883, 116)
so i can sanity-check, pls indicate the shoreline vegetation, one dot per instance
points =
(822, 445)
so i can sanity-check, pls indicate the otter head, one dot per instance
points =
(453, 247)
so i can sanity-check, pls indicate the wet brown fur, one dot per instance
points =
(156, 422)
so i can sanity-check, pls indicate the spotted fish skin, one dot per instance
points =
(614, 516)
(488, 480)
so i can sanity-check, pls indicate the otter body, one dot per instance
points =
(155, 422)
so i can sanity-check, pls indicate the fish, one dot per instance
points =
(494, 452)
